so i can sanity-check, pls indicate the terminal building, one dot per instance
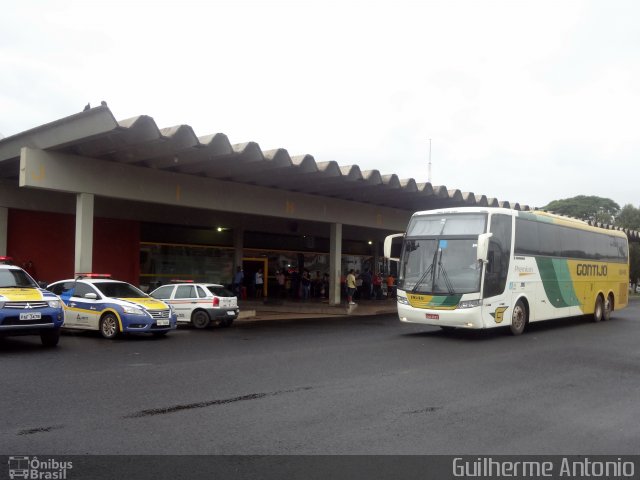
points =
(88, 193)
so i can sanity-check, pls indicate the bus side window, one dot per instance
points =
(490, 260)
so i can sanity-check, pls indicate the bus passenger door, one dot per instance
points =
(496, 301)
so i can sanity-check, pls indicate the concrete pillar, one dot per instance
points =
(376, 258)
(335, 256)
(238, 244)
(84, 233)
(4, 229)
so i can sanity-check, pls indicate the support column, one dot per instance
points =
(238, 244)
(4, 229)
(335, 257)
(376, 258)
(84, 233)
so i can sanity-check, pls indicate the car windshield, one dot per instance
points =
(219, 291)
(15, 278)
(119, 290)
(440, 266)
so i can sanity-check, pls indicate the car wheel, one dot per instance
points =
(50, 338)
(518, 318)
(109, 326)
(598, 310)
(200, 319)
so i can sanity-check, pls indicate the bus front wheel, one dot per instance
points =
(518, 318)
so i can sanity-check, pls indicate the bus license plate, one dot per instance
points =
(432, 316)
(162, 323)
(31, 316)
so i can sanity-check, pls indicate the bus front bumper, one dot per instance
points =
(457, 318)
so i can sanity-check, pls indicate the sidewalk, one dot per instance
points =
(272, 309)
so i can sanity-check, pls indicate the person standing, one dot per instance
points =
(366, 284)
(377, 286)
(238, 279)
(351, 287)
(390, 284)
(280, 278)
(305, 285)
(259, 281)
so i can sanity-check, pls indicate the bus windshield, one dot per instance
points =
(440, 266)
(440, 254)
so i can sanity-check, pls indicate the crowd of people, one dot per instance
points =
(292, 284)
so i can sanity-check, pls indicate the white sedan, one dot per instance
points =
(201, 304)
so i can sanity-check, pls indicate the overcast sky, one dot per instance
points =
(526, 101)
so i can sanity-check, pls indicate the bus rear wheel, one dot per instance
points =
(608, 308)
(598, 310)
(518, 318)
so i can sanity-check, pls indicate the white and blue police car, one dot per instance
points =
(97, 302)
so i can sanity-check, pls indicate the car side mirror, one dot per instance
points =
(91, 296)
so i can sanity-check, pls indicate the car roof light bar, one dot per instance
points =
(92, 275)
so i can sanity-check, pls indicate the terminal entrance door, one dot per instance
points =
(251, 265)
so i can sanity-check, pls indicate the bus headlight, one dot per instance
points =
(54, 303)
(403, 300)
(469, 303)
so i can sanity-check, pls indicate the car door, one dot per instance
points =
(64, 290)
(84, 311)
(185, 301)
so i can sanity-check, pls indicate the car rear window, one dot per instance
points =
(219, 291)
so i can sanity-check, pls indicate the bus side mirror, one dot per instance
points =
(391, 246)
(483, 247)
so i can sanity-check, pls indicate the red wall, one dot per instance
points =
(48, 240)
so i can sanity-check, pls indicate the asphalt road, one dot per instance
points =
(356, 385)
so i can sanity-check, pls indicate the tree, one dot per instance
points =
(629, 217)
(634, 263)
(593, 208)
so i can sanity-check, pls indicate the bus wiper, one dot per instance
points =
(428, 271)
(422, 278)
(443, 271)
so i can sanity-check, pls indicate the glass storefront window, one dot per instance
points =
(160, 264)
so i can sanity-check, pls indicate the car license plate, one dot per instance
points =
(231, 312)
(31, 316)
(162, 323)
(432, 316)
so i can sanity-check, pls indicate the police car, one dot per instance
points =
(27, 309)
(96, 302)
(201, 304)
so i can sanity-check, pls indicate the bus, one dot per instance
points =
(481, 267)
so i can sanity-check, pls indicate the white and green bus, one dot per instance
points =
(476, 268)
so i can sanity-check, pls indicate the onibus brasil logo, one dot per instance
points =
(37, 469)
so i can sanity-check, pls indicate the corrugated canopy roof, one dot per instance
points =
(139, 141)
